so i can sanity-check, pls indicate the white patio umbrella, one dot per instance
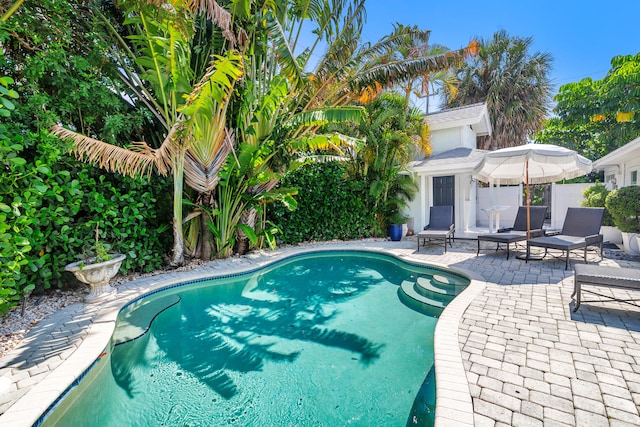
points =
(531, 164)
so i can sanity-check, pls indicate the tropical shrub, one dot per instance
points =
(49, 208)
(624, 206)
(329, 206)
(595, 197)
(391, 134)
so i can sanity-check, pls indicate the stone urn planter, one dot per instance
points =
(97, 276)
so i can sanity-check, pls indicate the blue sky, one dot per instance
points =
(581, 35)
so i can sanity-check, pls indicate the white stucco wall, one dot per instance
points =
(445, 139)
(414, 208)
(468, 137)
(621, 164)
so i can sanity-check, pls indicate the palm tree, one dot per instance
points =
(513, 82)
(391, 134)
(278, 104)
(286, 100)
(161, 63)
(413, 46)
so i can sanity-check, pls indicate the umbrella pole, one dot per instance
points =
(526, 178)
(527, 257)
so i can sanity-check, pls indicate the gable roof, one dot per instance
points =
(474, 115)
(455, 160)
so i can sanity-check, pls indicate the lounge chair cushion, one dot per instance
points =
(518, 232)
(581, 229)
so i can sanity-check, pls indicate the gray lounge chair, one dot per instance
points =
(518, 232)
(440, 226)
(580, 230)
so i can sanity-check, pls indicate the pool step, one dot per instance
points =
(426, 288)
(136, 320)
(408, 288)
(439, 279)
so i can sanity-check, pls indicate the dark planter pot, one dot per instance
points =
(395, 232)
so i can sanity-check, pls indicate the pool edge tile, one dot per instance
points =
(453, 409)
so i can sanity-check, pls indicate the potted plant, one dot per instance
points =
(397, 220)
(96, 268)
(624, 206)
(594, 197)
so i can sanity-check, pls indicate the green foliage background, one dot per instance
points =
(49, 202)
(587, 112)
(625, 209)
(595, 197)
(329, 206)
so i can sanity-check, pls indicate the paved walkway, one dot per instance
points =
(528, 360)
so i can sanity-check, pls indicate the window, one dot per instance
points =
(634, 177)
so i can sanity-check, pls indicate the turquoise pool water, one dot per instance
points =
(315, 340)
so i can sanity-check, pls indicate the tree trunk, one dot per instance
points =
(205, 238)
(178, 242)
(248, 217)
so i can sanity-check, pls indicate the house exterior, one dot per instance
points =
(622, 166)
(445, 177)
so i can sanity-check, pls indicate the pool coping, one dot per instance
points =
(453, 402)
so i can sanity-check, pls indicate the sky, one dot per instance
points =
(581, 35)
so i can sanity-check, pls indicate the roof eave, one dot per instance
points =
(432, 170)
(480, 123)
(618, 156)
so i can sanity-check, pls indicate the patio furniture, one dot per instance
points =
(580, 230)
(440, 226)
(610, 277)
(518, 232)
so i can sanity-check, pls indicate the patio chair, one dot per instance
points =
(518, 232)
(440, 226)
(580, 230)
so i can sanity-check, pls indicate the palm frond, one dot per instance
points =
(402, 70)
(286, 56)
(214, 12)
(206, 107)
(136, 161)
(323, 116)
(322, 158)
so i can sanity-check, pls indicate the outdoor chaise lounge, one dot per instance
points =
(440, 226)
(518, 232)
(610, 277)
(580, 230)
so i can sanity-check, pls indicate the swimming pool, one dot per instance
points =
(317, 339)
